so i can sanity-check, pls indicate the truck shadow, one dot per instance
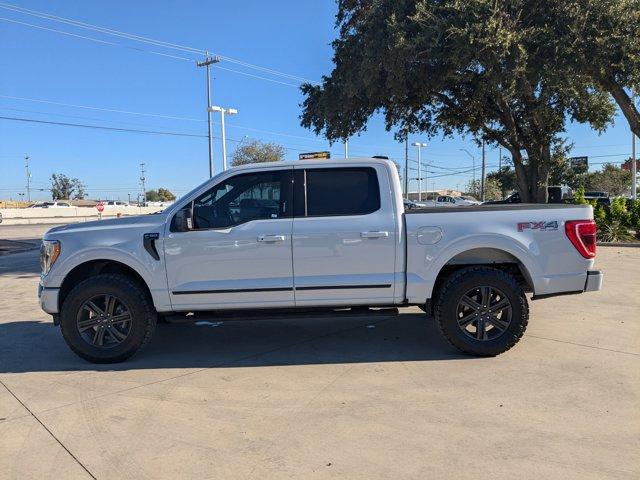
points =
(34, 346)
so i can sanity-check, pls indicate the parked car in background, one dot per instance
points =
(116, 203)
(55, 204)
(555, 194)
(469, 200)
(326, 235)
(602, 198)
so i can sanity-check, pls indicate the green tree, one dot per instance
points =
(492, 190)
(599, 39)
(63, 187)
(505, 178)
(480, 67)
(160, 195)
(611, 178)
(255, 151)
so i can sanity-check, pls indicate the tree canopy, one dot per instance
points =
(488, 68)
(598, 39)
(160, 195)
(65, 188)
(255, 151)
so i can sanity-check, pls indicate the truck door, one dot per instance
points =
(238, 253)
(344, 236)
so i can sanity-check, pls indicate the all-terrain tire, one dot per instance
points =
(130, 293)
(446, 309)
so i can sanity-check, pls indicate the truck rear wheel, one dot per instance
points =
(107, 318)
(482, 311)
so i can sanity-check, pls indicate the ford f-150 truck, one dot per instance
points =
(329, 235)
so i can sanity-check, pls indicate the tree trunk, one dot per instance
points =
(625, 103)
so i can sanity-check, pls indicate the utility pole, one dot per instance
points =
(143, 180)
(406, 167)
(26, 163)
(208, 61)
(346, 148)
(483, 170)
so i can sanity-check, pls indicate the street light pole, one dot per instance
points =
(346, 148)
(483, 172)
(406, 168)
(208, 61)
(26, 162)
(474, 164)
(223, 111)
(420, 145)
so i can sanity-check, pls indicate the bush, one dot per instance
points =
(613, 231)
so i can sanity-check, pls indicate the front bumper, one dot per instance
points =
(594, 281)
(48, 299)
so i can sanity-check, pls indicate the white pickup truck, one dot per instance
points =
(329, 235)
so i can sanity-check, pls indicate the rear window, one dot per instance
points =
(342, 191)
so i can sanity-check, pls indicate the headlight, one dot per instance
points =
(49, 253)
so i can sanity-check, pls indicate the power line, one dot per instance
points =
(101, 127)
(147, 40)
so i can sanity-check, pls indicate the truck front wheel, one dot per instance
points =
(482, 311)
(107, 318)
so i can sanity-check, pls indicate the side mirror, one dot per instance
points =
(183, 220)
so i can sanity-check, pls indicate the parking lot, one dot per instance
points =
(378, 397)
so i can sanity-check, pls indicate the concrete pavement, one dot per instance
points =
(380, 397)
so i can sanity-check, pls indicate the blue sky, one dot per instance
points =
(291, 37)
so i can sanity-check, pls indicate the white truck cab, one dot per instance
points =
(313, 234)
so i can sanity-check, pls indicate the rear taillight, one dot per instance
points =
(582, 234)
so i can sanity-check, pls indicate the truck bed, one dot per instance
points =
(492, 208)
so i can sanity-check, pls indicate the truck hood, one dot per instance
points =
(104, 226)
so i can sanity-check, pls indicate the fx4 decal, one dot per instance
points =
(542, 226)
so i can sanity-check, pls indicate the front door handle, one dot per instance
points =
(271, 238)
(374, 234)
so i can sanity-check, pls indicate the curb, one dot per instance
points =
(612, 244)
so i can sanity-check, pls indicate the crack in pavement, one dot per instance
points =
(48, 431)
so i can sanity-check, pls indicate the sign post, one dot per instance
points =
(100, 208)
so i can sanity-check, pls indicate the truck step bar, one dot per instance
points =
(272, 314)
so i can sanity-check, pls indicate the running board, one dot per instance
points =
(273, 314)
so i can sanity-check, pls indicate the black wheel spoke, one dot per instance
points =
(470, 303)
(123, 317)
(498, 323)
(84, 325)
(485, 296)
(98, 337)
(109, 304)
(481, 330)
(500, 305)
(465, 321)
(93, 308)
(116, 334)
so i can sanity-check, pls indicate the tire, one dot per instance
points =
(473, 328)
(121, 333)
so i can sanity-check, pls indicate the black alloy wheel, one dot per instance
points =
(484, 313)
(104, 321)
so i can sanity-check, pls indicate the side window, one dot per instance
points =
(242, 198)
(341, 191)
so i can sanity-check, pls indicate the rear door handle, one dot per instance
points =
(271, 238)
(374, 234)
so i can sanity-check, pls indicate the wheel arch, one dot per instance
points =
(95, 267)
(487, 256)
